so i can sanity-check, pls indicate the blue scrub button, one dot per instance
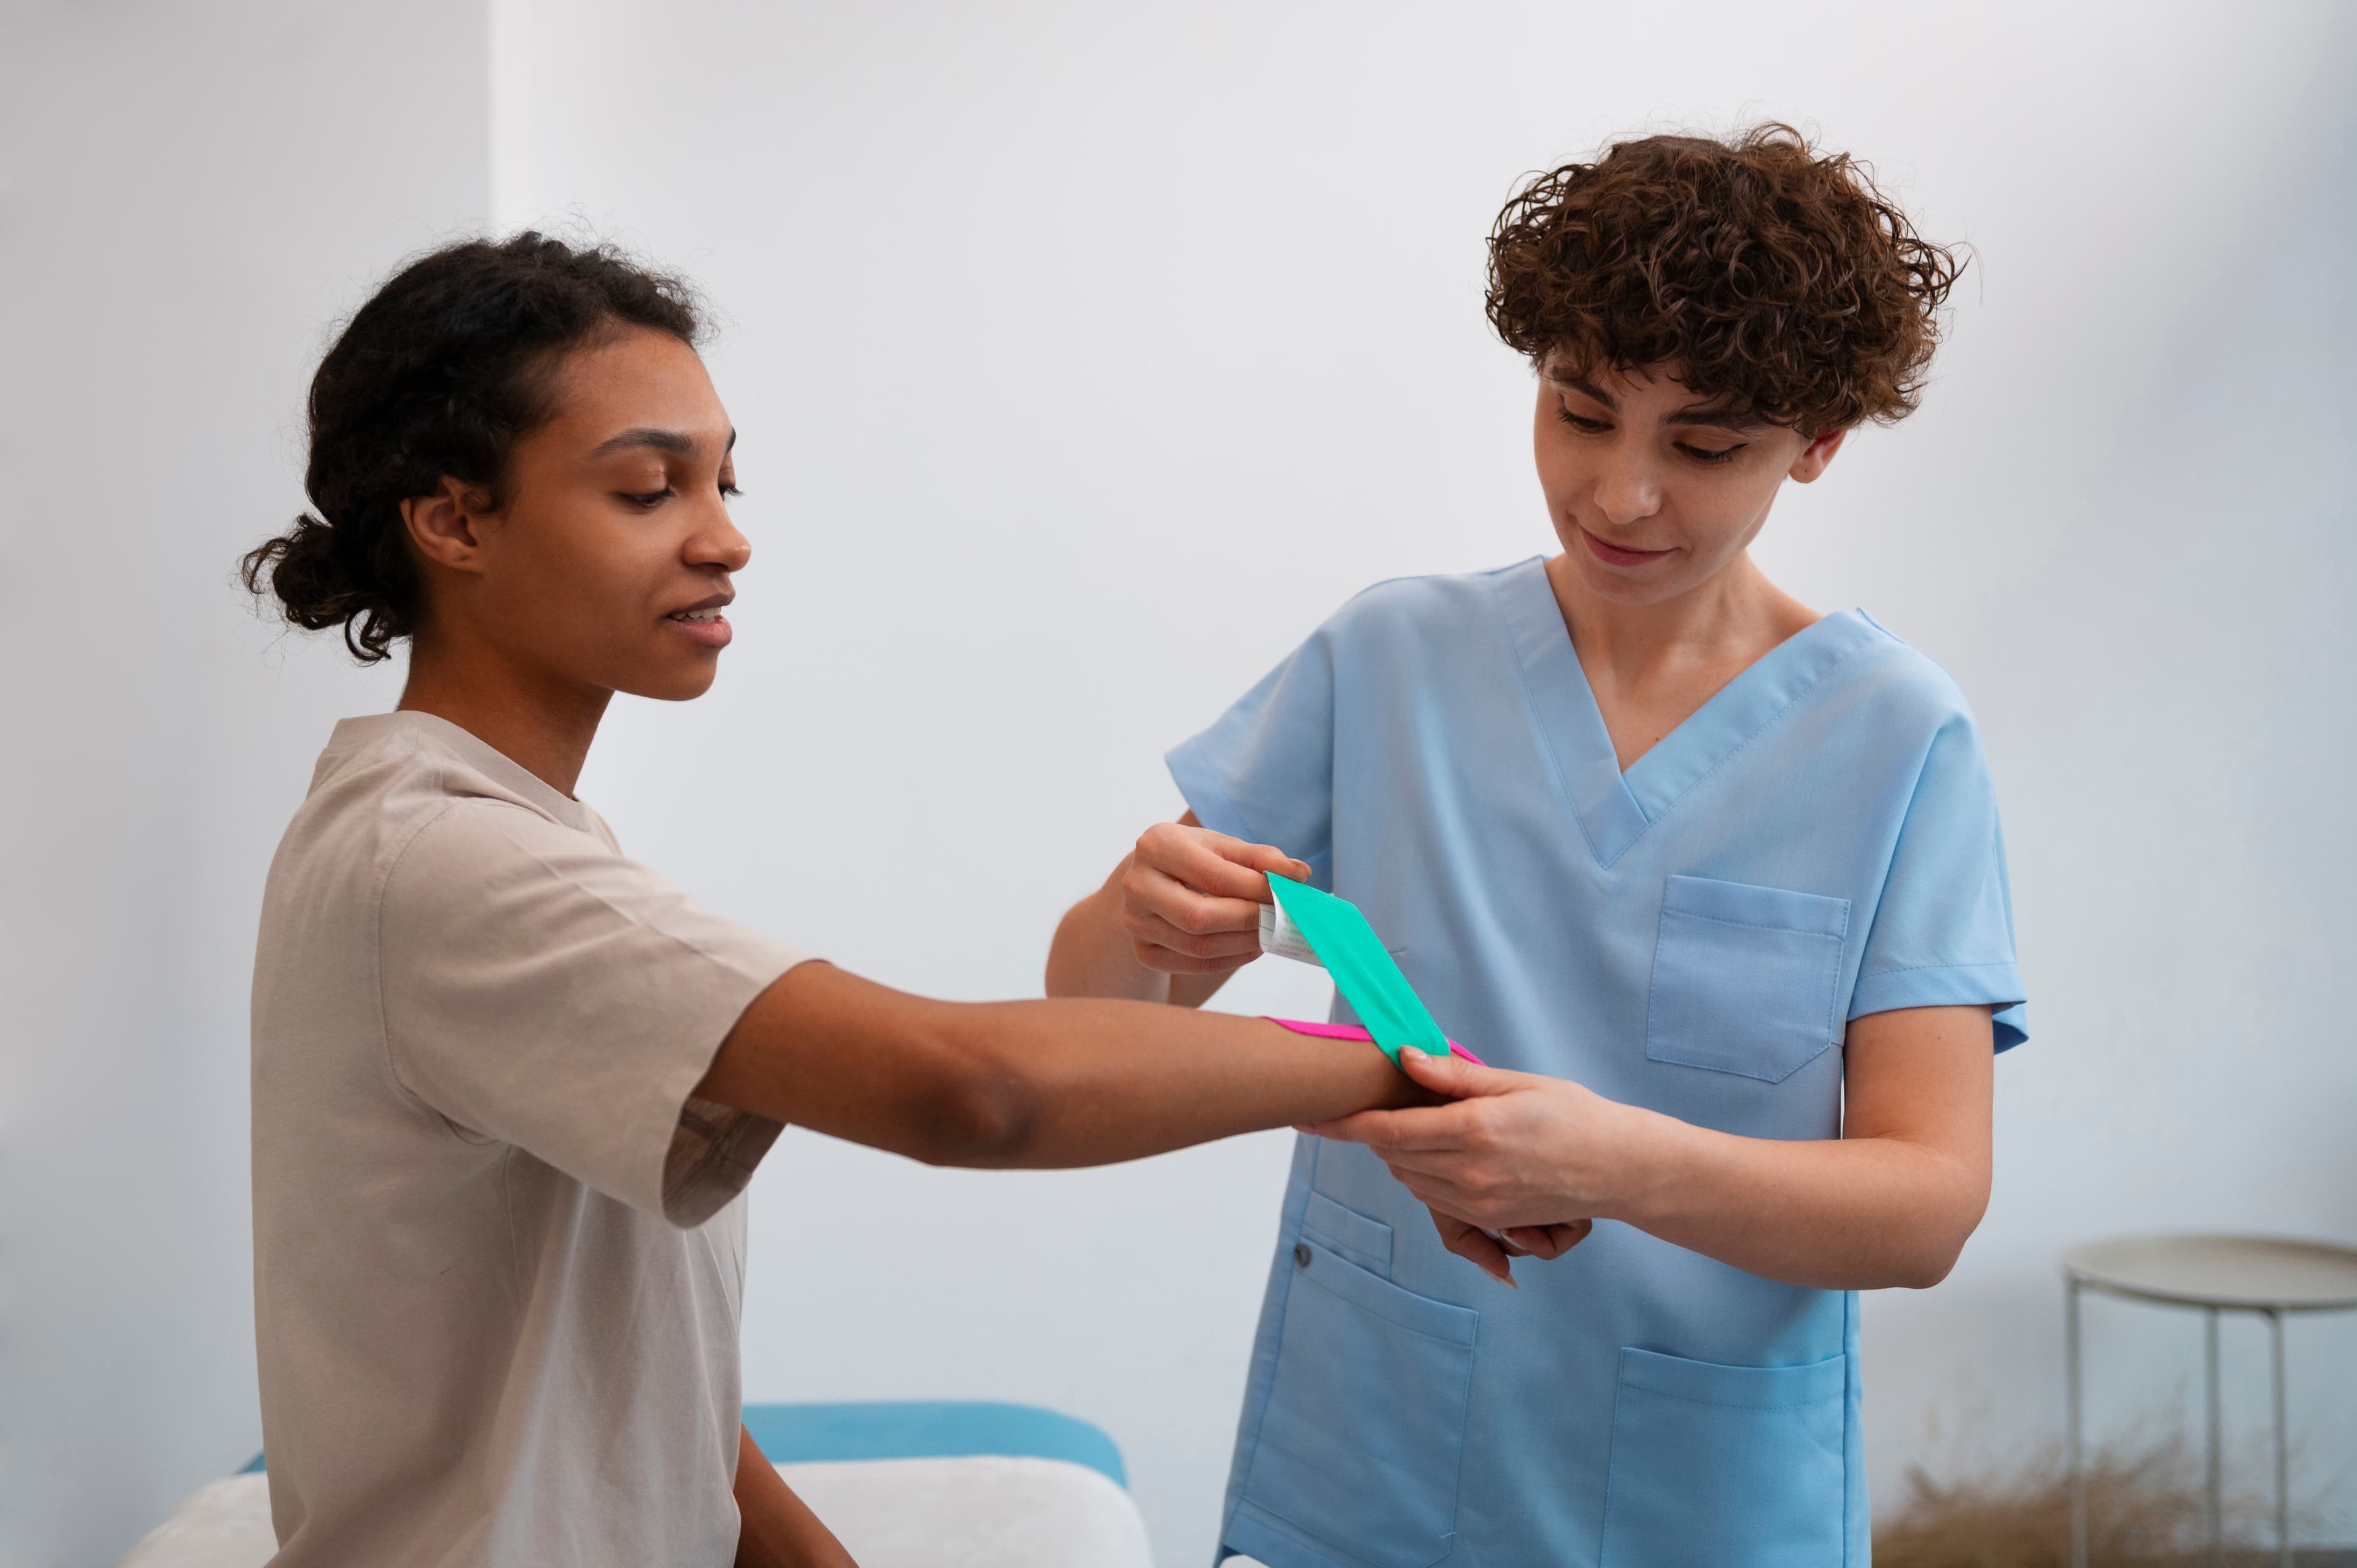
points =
(1301, 1254)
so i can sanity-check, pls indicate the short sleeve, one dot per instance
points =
(1943, 931)
(1265, 770)
(540, 989)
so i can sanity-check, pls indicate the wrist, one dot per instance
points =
(1092, 953)
(1646, 1163)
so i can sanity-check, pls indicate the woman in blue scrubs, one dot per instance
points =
(1715, 881)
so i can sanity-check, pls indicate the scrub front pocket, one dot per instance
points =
(1734, 1467)
(1364, 1426)
(1746, 980)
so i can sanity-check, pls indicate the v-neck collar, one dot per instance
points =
(1614, 809)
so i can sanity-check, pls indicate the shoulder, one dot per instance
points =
(482, 836)
(1898, 682)
(1441, 603)
(495, 881)
(404, 787)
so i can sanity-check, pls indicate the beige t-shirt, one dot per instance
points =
(498, 1249)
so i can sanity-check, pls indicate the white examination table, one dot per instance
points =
(904, 1486)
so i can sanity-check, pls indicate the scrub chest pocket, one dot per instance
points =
(1361, 1437)
(1746, 980)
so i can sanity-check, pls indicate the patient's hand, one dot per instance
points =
(1515, 1165)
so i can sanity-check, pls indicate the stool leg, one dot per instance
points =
(2283, 1443)
(2074, 1400)
(2217, 1455)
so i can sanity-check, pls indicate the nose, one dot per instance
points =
(718, 543)
(1626, 492)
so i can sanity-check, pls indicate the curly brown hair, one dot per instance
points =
(1777, 282)
(444, 369)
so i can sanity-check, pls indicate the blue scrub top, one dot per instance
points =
(1818, 841)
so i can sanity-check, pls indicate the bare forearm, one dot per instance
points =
(1846, 1214)
(1093, 955)
(775, 1528)
(1172, 1079)
(1030, 1084)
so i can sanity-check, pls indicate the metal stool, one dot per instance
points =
(2268, 1275)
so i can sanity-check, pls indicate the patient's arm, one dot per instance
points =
(778, 1531)
(1030, 1084)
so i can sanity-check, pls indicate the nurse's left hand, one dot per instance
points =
(1517, 1162)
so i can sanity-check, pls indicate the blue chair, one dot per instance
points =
(922, 1429)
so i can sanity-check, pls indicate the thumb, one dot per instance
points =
(1453, 1075)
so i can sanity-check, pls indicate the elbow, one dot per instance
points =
(1922, 1273)
(1920, 1264)
(1937, 1258)
(980, 1114)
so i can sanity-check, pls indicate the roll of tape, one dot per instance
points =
(1280, 936)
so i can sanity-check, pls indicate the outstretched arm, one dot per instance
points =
(1892, 1202)
(1030, 1084)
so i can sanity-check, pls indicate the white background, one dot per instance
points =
(1085, 357)
(189, 197)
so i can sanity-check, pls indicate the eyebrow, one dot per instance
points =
(660, 440)
(1702, 414)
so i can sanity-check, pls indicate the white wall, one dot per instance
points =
(189, 195)
(1086, 356)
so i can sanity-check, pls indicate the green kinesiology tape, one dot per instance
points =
(1363, 973)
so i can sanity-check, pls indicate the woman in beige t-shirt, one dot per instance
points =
(509, 1085)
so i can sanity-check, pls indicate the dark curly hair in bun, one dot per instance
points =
(1773, 278)
(439, 374)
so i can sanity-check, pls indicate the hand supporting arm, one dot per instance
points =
(1892, 1202)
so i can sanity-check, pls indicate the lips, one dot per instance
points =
(1614, 556)
(703, 621)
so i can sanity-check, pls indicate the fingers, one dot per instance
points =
(1550, 1240)
(1420, 1129)
(1190, 898)
(1454, 1206)
(1236, 942)
(1152, 891)
(1469, 1242)
(1362, 1127)
(1267, 859)
(1213, 863)
(1152, 955)
(1264, 858)
(1457, 1078)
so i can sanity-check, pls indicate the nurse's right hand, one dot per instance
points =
(1190, 898)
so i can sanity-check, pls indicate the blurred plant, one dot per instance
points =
(2147, 1508)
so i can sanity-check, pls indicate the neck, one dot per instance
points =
(1736, 615)
(542, 723)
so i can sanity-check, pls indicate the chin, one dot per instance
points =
(1622, 589)
(672, 685)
